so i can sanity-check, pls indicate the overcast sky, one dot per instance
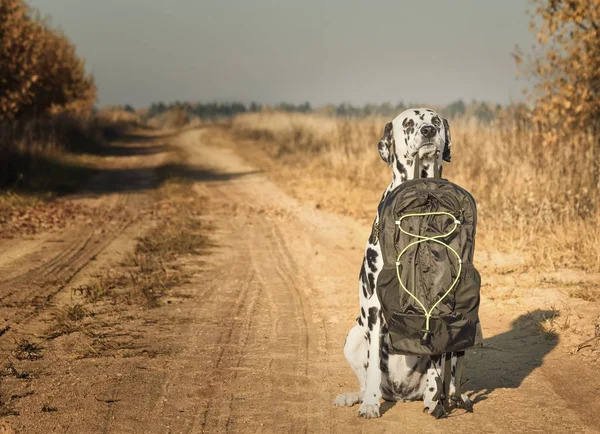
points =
(355, 51)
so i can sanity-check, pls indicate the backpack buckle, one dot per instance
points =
(426, 338)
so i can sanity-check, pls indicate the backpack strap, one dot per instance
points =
(436, 168)
(457, 398)
(417, 163)
(460, 364)
(442, 395)
(447, 373)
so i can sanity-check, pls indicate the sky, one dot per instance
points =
(269, 51)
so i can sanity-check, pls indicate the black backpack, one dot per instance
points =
(428, 287)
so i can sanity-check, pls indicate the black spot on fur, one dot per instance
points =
(388, 129)
(447, 143)
(360, 322)
(383, 365)
(404, 390)
(372, 317)
(409, 128)
(371, 258)
(401, 170)
(369, 337)
(367, 291)
(362, 312)
(431, 389)
(424, 173)
(385, 144)
(417, 112)
(454, 370)
(383, 361)
(371, 277)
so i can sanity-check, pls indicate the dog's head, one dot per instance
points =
(416, 133)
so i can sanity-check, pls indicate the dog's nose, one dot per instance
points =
(428, 131)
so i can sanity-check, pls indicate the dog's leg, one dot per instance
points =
(433, 387)
(371, 400)
(355, 350)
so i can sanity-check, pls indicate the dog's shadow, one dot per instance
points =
(505, 360)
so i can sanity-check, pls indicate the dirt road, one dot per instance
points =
(253, 341)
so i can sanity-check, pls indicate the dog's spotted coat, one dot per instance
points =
(413, 133)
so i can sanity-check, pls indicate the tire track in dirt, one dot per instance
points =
(54, 259)
(271, 336)
(32, 290)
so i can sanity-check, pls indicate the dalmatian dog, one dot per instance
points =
(414, 133)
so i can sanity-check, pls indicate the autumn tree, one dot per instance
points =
(20, 50)
(39, 69)
(565, 66)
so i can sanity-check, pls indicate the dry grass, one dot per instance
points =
(587, 294)
(42, 157)
(26, 350)
(175, 118)
(116, 116)
(151, 269)
(147, 273)
(535, 200)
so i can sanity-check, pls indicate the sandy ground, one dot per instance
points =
(252, 342)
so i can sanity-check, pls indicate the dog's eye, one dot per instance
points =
(410, 123)
(436, 121)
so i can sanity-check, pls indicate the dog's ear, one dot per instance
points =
(447, 143)
(386, 143)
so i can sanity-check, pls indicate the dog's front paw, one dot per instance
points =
(368, 411)
(348, 399)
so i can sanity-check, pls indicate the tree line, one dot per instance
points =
(483, 111)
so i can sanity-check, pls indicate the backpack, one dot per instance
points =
(428, 287)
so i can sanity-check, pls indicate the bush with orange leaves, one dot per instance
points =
(39, 70)
(566, 65)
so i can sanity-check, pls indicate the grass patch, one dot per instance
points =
(27, 350)
(586, 294)
(40, 155)
(147, 273)
(67, 320)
